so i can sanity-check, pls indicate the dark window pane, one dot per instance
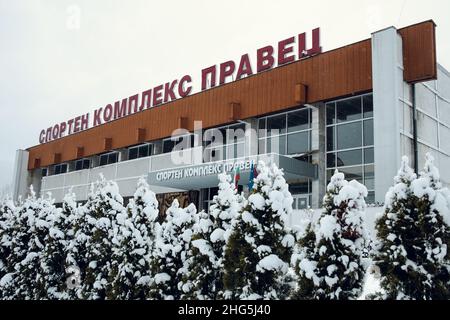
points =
(112, 158)
(276, 145)
(369, 177)
(330, 138)
(168, 146)
(368, 133)
(86, 164)
(298, 142)
(277, 123)
(299, 188)
(44, 172)
(103, 160)
(349, 135)
(369, 156)
(57, 170)
(349, 158)
(331, 113)
(132, 153)
(354, 173)
(298, 120)
(368, 106)
(64, 168)
(143, 151)
(331, 160)
(79, 165)
(349, 110)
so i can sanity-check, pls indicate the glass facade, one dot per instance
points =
(82, 164)
(141, 151)
(184, 141)
(302, 194)
(350, 141)
(290, 134)
(109, 158)
(60, 168)
(226, 142)
(287, 133)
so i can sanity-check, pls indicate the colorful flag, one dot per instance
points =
(237, 176)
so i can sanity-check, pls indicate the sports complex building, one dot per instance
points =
(358, 108)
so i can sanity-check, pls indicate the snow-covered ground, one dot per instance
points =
(299, 219)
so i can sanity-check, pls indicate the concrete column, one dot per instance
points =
(251, 137)
(157, 147)
(123, 155)
(21, 175)
(318, 147)
(387, 73)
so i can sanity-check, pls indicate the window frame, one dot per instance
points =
(108, 155)
(334, 151)
(83, 160)
(264, 136)
(138, 147)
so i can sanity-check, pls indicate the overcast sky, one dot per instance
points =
(60, 59)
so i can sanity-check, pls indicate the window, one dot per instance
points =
(226, 142)
(331, 113)
(141, 151)
(82, 164)
(349, 110)
(350, 141)
(299, 120)
(277, 124)
(186, 140)
(293, 136)
(44, 172)
(349, 158)
(368, 106)
(349, 135)
(61, 168)
(368, 133)
(298, 142)
(109, 158)
(302, 194)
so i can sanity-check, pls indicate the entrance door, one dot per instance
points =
(301, 202)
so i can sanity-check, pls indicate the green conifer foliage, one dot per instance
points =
(96, 237)
(131, 277)
(204, 276)
(328, 258)
(413, 237)
(168, 259)
(259, 248)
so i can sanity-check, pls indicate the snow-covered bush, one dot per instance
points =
(7, 216)
(414, 237)
(56, 243)
(31, 226)
(168, 258)
(204, 263)
(328, 257)
(131, 276)
(259, 248)
(95, 237)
